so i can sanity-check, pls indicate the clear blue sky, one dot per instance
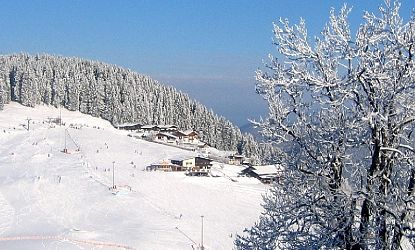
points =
(209, 49)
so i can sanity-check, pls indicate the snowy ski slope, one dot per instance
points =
(53, 200)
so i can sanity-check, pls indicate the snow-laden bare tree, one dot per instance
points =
(343, 107)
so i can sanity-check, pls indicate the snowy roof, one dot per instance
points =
(188, 131)
(268, 169)
(127, 124)
(148, 126)
(166, 126)
(182, 158)
(236, 156)
(179, 133)
(159, 127)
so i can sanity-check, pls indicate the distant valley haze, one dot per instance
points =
(207, 49)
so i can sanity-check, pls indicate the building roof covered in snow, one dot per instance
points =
(189, 132)
(126, 124)
(268, 170)
(167, 127)
(148, 126)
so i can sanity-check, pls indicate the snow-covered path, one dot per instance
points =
(47, 193)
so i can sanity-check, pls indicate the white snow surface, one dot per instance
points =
(53, 200)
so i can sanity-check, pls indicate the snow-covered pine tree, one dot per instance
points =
(2, 101)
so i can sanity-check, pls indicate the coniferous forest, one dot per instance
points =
(118, 95)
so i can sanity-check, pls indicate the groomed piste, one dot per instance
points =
(55, 200)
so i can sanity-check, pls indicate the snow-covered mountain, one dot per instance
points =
(53, 200)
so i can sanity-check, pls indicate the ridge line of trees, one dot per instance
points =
(117, 95)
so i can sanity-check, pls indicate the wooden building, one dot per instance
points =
(167, 128)
(190, 136)
(266, 174)
(194, 165)
(187, 136)
(165, 165)
(235, 159)
(148, 128)
(129, 126)
(165, 137)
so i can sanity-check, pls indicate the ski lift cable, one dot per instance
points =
(70, 137)
(185, 235)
